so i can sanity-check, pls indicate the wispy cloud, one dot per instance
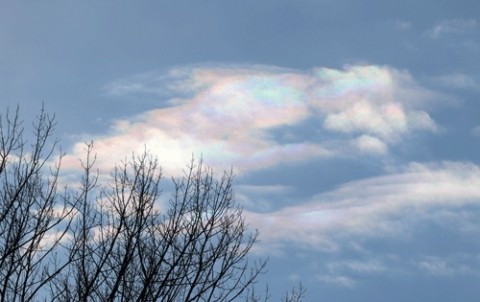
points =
(450, 266)
(452, 26)
(254, 116)
(402, 25)
(385, 206)
(370, 266)
(458, 80)
(262, 198)
(343, 281)
(349, 273)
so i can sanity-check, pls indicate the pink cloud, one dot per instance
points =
(229, 114)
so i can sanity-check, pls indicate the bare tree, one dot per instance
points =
(195, 248)
(33, 218)
(296, 294)
(118, 241)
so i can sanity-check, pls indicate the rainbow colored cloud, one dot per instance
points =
(253, 117)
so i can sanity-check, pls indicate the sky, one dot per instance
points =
(352, 127)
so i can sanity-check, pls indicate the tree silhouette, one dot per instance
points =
(115, 240)
(33, 218)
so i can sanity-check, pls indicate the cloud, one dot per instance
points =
(370, 144)
(235, 115)
(262, 198)
(365, 117)
(342, 281)
(387, 225)
(452, 26)
(449, 266)
(402, 25)
(370, 266)
(457, 80)
(386, 206)
(350, 273)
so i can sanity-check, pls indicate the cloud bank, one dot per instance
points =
(417, 220)
(253, 117)
(387, 206)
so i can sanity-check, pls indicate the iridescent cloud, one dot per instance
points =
(377, 207)
(231, 115)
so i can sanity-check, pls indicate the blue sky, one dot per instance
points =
(353, 126)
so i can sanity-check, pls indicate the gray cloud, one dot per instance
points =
(452, 26)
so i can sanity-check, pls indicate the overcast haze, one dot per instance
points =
(353, 127)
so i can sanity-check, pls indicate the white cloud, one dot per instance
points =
(385, 206)
(349, 273)
(356, 266)
(457, 80)
(384, 120)
(342, 281)
(452, 26)
(352, 272)
(435, 266)
(450, 266)
(229, 114)
(370, 144)
(422, 120)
